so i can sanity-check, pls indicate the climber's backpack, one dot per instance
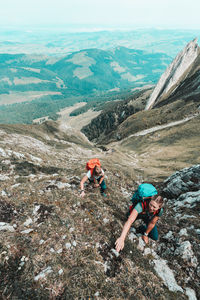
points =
(143, 191)
(92, 163)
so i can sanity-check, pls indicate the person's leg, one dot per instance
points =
(153, 234)
(102, 186)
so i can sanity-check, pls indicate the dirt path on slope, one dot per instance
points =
(159, 151)
(76, 122)
(160, 127)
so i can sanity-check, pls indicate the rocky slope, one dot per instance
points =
(55, 245)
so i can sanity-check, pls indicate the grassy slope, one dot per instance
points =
(165, 151)
(90, 225)
(146, 119)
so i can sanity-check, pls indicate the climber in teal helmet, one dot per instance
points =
(149, 210)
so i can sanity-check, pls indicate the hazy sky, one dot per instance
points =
(141, 13)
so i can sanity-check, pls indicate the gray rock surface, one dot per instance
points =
(174, 72)
(179, 244)
(186, 180)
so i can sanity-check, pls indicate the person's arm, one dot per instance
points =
(84, 179)
(120, 241)
(149, 228)
(102, 178)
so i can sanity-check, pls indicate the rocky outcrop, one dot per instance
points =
(180, 244)
(175, 73)
(184, 181)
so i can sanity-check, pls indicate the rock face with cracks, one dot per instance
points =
(175, 72)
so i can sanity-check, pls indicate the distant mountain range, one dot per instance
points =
(67, 39)
(40, 86)
(87, 71)
(51, 83)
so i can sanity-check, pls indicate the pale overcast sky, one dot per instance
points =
(142, 13)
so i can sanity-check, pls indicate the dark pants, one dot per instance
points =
(153, 234)
(102, 185)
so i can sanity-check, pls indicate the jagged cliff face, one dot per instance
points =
(176, 73)
(188, 90)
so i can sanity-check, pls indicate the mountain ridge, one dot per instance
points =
(176, 73)
(181, 101)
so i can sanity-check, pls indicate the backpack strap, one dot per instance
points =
(130, 209)
(144, 205)
(91, 172)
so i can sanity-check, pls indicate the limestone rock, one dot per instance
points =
(185, 251)
(174, 73)
(186, 180)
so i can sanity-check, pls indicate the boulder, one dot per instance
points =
(186, 180)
